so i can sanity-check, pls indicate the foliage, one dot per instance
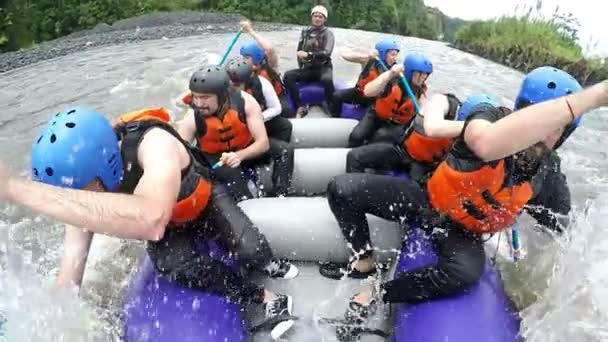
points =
(25, 22)
(528, 41)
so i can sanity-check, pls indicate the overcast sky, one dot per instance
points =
(590, 13)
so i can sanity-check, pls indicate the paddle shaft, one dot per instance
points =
(409, 91)
(232, 43)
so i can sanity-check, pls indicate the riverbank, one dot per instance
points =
(161, 25)
(524, 44)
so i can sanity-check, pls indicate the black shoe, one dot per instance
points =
(281, 269)
(337, 271)
(279, 310)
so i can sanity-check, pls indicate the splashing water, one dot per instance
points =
(560, 285)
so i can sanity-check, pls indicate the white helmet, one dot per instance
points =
(319, 9)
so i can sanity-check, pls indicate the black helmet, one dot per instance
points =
(239, 69)
(210, 79)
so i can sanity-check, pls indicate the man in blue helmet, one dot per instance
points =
(264, 61)
(139, 180)
(393, 109)
(314, 59)
(492, 172)
(386, 50)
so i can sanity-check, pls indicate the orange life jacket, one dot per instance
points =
(396, 106)
(276, 83)
(195, 188)
(224, 132)
(423, 149)
(479, 199)
(370, 72)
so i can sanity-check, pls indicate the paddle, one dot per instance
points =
(232, 43)
(515, 244)
(409, 91)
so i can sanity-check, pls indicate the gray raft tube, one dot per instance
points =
(304, 228)
(321, 132)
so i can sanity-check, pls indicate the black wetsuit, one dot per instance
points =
(319, 42)
(353, 95)
(461, 255)
(176, 255)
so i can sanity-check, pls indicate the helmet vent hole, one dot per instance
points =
(568, 92)
(54, 122)
(39, 139)
(53, 138)
(70, 125)
(551, 85)
(57, 114)
(71, 112)
(49, 171)
(35, 172)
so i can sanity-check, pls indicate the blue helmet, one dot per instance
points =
(77, 146)
(417, 62)
(472, 102)
(255, 51)
(546, 83)
(384, 46)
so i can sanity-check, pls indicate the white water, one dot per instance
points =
(561, 284)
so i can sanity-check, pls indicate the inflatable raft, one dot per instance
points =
(302, 228)
(312, 94)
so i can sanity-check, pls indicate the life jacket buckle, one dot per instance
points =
(131, 127)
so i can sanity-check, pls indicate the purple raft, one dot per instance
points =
(483, 313)
(156, 309)
(313, 94)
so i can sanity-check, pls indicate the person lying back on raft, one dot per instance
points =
(488, 177)
(139, 180)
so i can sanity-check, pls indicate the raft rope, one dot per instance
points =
(409, 91)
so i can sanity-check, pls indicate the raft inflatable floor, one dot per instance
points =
(315, 296)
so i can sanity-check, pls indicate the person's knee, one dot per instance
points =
(356, 138)
(168, 263)
(288, 128)
(253, 248)
(339, 189)
(353, 161)
(465, 270)
(278, 147)
(290, 76)
(327, 79)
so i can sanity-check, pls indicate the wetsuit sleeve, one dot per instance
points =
(300, 45)
(301, 42)
(273, 105)
(551, 203)
(325, 53)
